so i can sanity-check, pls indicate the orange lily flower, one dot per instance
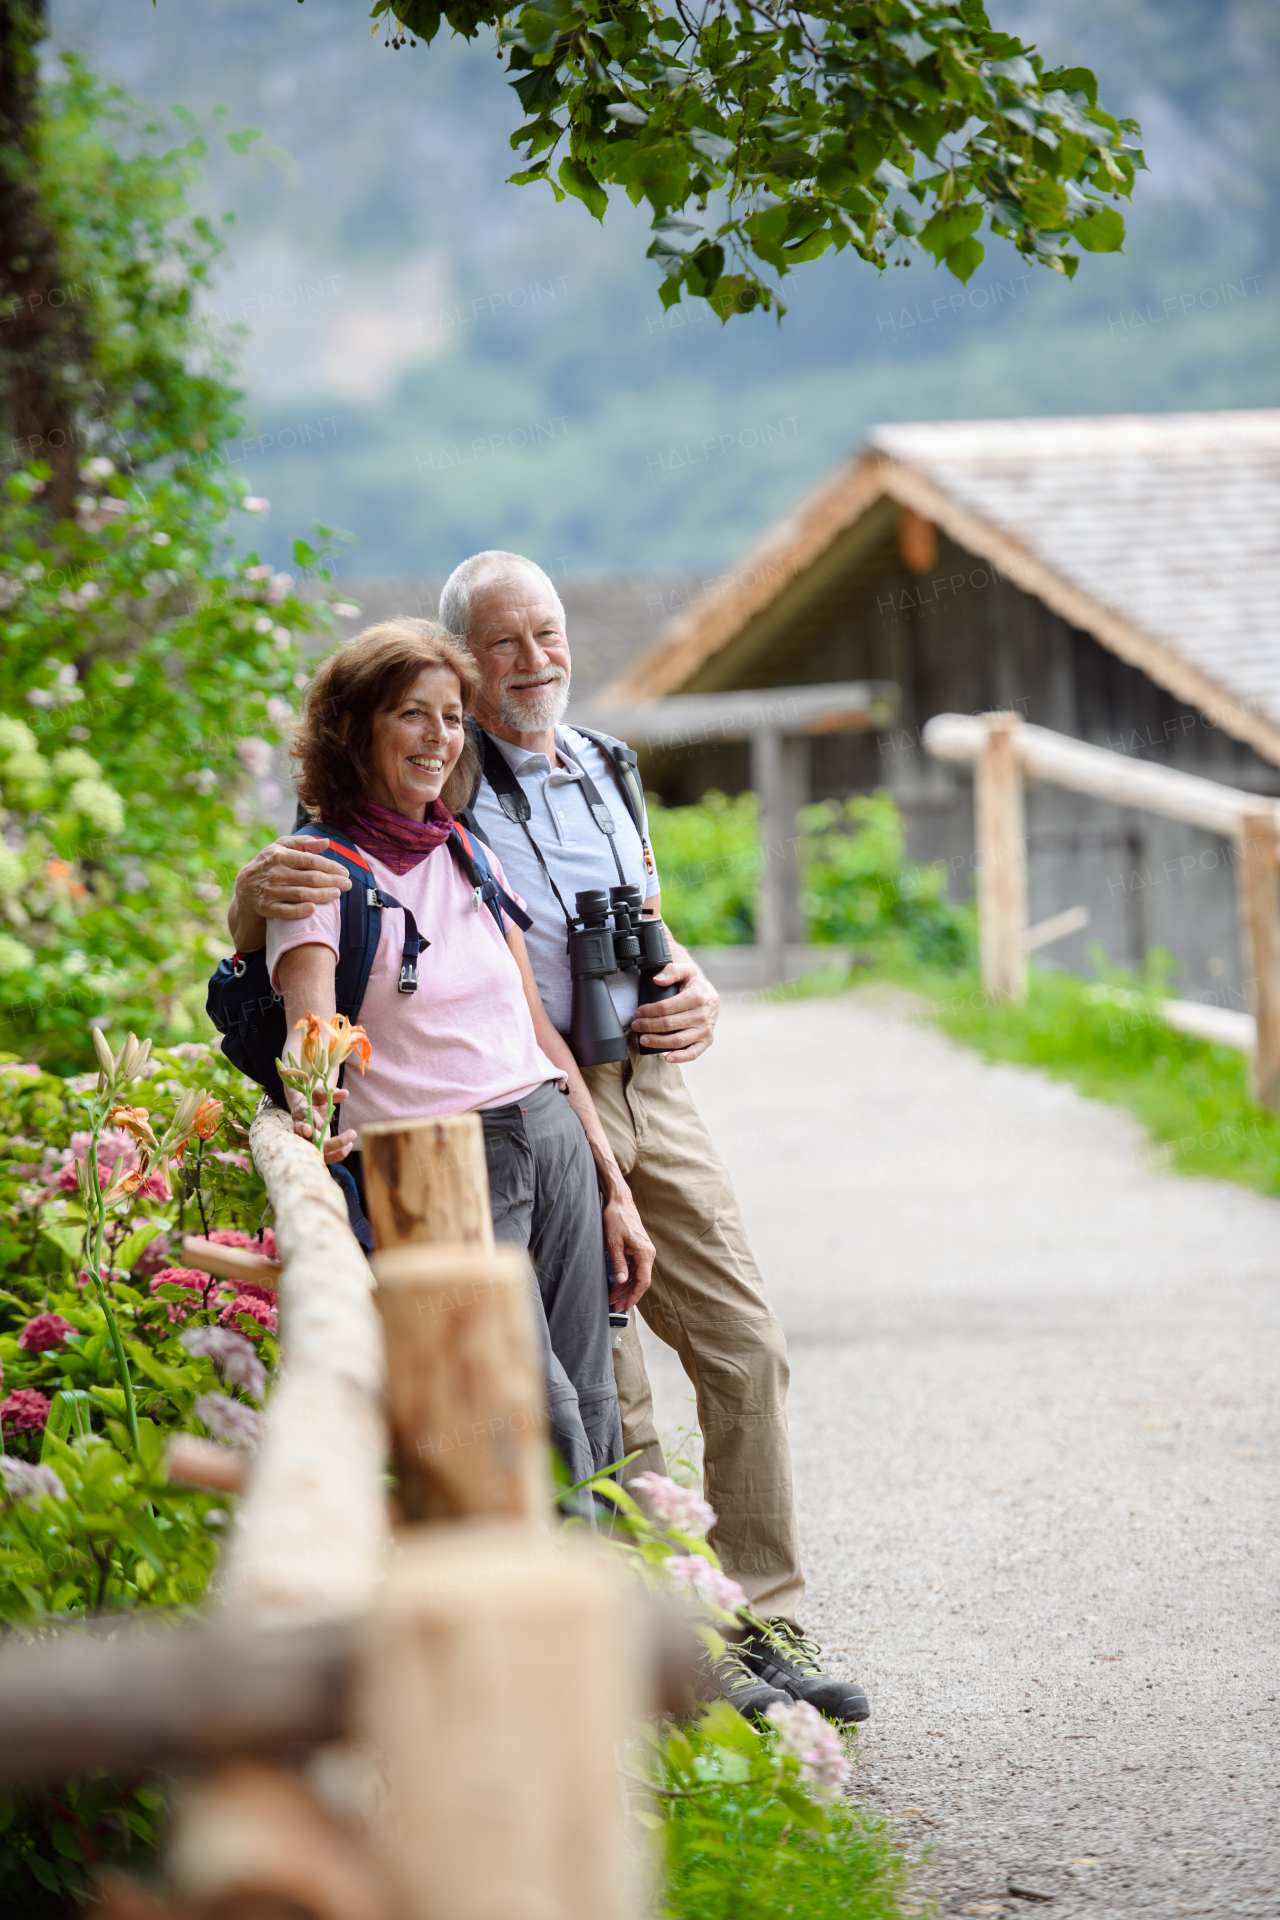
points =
(134, 1120)
(127, 1183)
(208, 1116)
(327, 1043)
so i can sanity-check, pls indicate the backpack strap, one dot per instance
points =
(626, 766)
(361, 928)
(485, 887)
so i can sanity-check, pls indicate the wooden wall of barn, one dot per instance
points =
(961, 639)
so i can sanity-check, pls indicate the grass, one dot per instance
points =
(1108, 1039)
(741, 1840)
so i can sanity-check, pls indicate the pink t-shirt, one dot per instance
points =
(465, 1039)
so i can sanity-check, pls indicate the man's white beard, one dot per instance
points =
(533, 709)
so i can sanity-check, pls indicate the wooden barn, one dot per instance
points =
(1114, 579)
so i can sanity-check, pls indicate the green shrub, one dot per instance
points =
(709, 867)
(742, 1840)
(145, 675)
(90, 1526)
(857, 887)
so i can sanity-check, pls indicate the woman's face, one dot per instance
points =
(417, 742)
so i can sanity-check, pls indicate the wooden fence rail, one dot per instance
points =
(470, 1678)
(1006, 751)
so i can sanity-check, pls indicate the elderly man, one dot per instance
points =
(545, 792)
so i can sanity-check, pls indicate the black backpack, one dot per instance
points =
(249, 1013)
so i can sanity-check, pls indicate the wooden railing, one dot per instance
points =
(464, 1679)
(1005, 752)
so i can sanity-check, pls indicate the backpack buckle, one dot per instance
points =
(409, 977)
(477, 896)
(372, 898)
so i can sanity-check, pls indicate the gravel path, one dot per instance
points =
(1034, 1414)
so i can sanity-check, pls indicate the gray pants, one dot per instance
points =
(544, 1196)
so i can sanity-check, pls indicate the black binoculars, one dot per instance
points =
(597, 949)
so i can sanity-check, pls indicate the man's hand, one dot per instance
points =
(286, 881)
(685, 1025)
(631, 1251)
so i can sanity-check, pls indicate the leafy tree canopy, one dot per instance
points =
(761, 133)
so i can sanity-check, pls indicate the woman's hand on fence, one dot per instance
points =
(338, 1145)
(631, 1251)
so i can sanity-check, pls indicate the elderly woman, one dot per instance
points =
(382, 756)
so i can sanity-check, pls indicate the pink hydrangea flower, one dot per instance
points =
(682, 1509)
(24, 1411)
(802, 1731)
(190, 1277)
(44, 1333)
(263, 1311)
(265, 1247)
(699, 1576)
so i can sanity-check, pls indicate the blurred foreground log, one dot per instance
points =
(312, 1530)
(529, 1655)
(466, 1394)
(427, 1180)
(150, 1698)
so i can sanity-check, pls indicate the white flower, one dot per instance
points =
(680, 1507)
(25, 1482)
(99, 804)
(345, 610)
(230, 1420)
(256, 755)
(258, 573)
(256, 504)
(16, 736)
(233, 1356)
(700, 1577)
(279, 713)
(263, 623)
(99, 468)
(802, 1731)
(161, 540)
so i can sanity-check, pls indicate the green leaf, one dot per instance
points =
(242, 141)
(67, 1241)
(965, 259)
(629, 115)
(726, 1728)
(713, 146)
(583, 185)
(1101, 231)
(949, 227)
(126, 1253)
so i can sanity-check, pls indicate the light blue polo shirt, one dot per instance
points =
(576, 852)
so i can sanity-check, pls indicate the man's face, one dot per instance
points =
(518, 641)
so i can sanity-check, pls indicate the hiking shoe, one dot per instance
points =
(730, 1678)
(783, 1658)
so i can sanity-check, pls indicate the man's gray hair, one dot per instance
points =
(491, 568)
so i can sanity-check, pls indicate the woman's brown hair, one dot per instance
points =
(331, 747)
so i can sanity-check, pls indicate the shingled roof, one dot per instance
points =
(1159, 534)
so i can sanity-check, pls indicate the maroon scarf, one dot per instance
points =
(399, 843)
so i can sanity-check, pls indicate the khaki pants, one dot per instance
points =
(708, 1301)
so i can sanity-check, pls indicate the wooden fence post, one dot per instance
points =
(427, 1180)
(1002, 859)
(502, 1678)
(1258, 853)
(466, 1395)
